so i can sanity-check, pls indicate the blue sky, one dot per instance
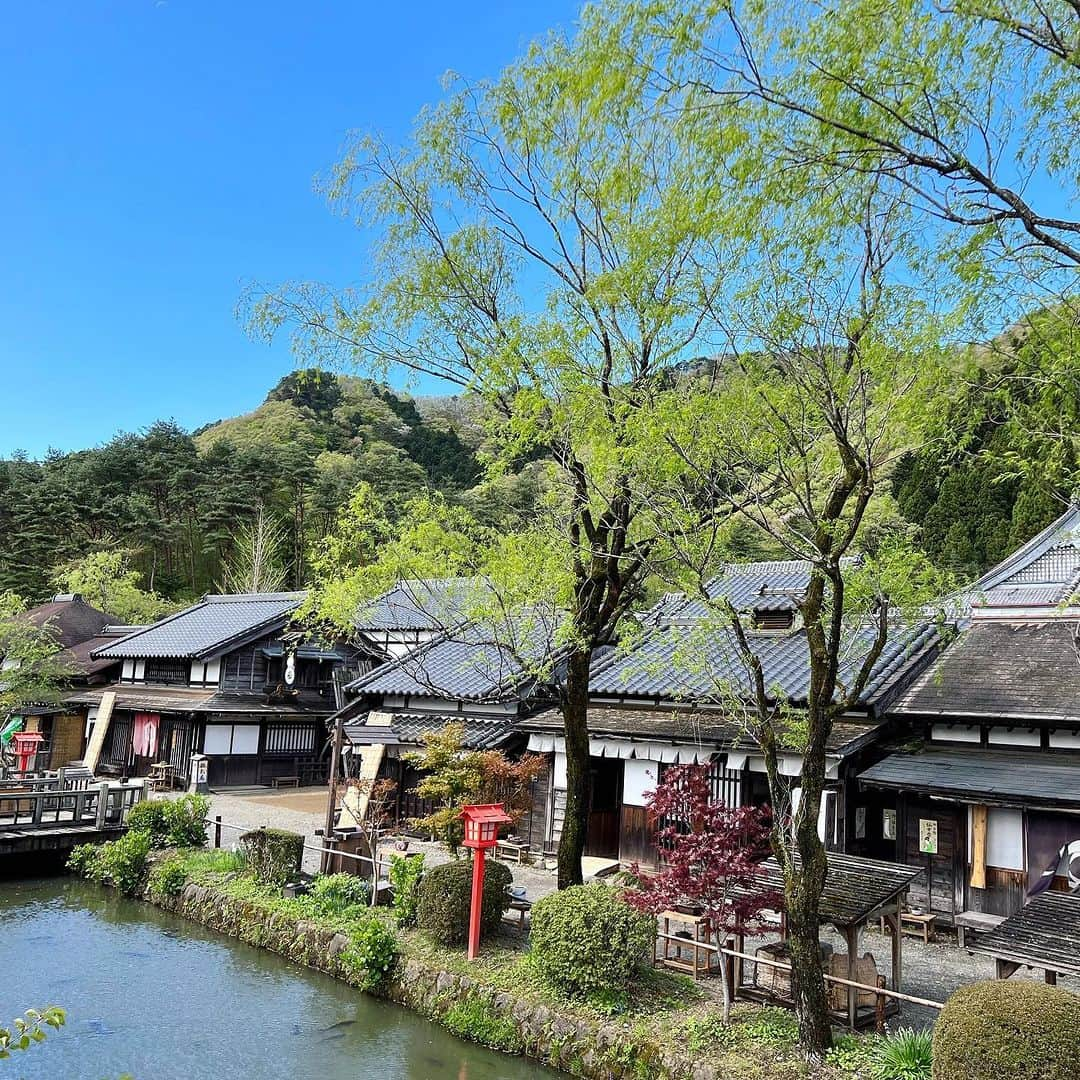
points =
(157, 155)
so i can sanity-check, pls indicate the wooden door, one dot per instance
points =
(605, 784)
(935, 838)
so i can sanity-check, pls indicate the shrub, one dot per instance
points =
(372, 953)
(186, 819)
(172, 822)
(405, 875)
(121, 863)
(168, 877)
(150, 817)
(333, 894)
(1019, 1030)
(586, 940)
(273, 854)
(445, 894)
(906, 1055)
(474, 1017)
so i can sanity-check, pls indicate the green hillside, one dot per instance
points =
(176, 501)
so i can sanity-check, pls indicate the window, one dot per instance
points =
(166, 670)
(765, 621)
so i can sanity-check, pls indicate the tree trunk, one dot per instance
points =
(575, 709)
(803, 899)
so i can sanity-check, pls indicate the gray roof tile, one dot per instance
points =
(471, 663)
(420, 604)
(481, 733)
(208, 627)
(699, 662)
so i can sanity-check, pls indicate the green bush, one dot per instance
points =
(585, 940)
(167, 878)
(172, 822)
(333, 894)
(1016, 1030)
(150, 817)
(372, 952)
(186, 819)
(474, 1017)
(273, 854)
(445, 894)
(905, 1055)
(405, 875)
(121, 863)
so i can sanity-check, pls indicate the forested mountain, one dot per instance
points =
(176, 500)
(1005, 464)
(173, 508)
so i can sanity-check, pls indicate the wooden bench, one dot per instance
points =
(522, 907)
(285, 781)
(977, 922)
(920, 925)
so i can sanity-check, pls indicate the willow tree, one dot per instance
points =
(832, 367)
(552, 249)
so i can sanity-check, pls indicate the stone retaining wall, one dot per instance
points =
(582, 1047)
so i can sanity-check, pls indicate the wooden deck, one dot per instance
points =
(54, 813)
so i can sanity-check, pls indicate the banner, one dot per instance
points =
(1053, 849)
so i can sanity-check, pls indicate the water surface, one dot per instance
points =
(161, 998)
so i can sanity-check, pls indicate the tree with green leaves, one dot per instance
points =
(552, 250)
(106, 580)
(33, 668)
(29, 1029)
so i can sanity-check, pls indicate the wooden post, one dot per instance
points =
(851, 933)
(331, 802)
(217, 831)
(979, 815)
(1050, 977)
(103, 805)
(897, 947)
(879, 1007)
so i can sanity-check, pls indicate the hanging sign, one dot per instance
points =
(888, 824)
(927, 836)
(860, 822)
(290, 669)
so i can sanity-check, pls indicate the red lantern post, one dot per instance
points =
(26, 747)
(481, 835)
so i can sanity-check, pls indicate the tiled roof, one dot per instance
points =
(208, 627)
(472, 663)
(481, 733)
(420, 604)
(200, 700)
(762, 586)
(1001, 669)
(689, 726)
(701, 662)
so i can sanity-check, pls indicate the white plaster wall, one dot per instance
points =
(955, 733)
(560, 772)
(1005, 839)
(638, 777)
(1000, 736)
(213, 670)
(1065, 740)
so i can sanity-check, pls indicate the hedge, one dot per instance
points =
(274, 855)
(586, 940)
(444, 897)
(1015, 1030)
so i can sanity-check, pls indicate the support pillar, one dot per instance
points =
(477, 903)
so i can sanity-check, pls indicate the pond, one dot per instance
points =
(159, 998)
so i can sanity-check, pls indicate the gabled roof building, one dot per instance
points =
(986, 790)
(229, 676)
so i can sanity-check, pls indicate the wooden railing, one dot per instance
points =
(101, 805)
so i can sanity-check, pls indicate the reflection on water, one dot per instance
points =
(162, 998)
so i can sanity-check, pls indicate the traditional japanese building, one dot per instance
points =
(229, 676)
(986, 792)
(78, 629)
(678, 696)
(479, 677)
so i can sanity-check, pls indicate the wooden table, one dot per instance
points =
(511, 849)
(699, 942)
(916, 925)
(162, 775)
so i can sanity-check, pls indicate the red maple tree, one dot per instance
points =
(710, 856)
